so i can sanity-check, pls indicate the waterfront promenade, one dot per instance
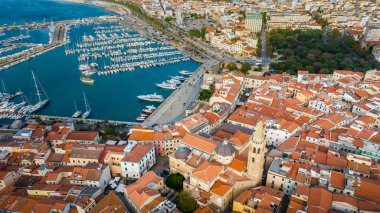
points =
(87, 121)
(175, 105)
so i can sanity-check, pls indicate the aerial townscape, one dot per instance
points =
(163, 106)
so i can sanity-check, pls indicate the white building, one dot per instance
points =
(278, 132)
(138, 160)
(289, 17)
(92, 175)
(253, 22)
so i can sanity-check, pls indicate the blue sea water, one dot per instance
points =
(112, 97)
(22, 11)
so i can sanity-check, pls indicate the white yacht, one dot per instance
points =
(151, 97)
(166, 85)
(77, 112)
(185, 72)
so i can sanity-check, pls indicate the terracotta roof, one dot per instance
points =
(17, 204)
(320, 200)
(212, 117)
(220, 188)
(139, 192)
(367, 189)
(110, 203)
(86, 154)
(289, 144)
(301, 190)
(243, 197)
(82, 135)
(149, 177)
(221, 135)
(192, 122)
(364, 169)
(246, 117)
(345, 199)
(44, 187)
(368, 206)
(337, 180)
(207, 171)
(204, 209)
(239, 138)
(138, 152)
(238, 165)
(199, 142)
(339, 162)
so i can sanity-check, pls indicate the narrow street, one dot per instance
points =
(264, 57)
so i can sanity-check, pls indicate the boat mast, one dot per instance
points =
(35, 84)
(75, 105)
(86, 103)
(4, 89)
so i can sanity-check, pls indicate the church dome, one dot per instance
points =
(225, 149)
(182, 153)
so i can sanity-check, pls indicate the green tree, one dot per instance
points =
(175, 181)
(259, 69)
(205, 95)
(169, 18)
(109, 130)
(318, 51)
(245, 67)
(39, 119)
(322, 22)
(185, 203)
(232, 66)
(324, 71)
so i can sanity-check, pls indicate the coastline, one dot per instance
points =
(114, 8)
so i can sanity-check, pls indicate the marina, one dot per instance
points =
(91, 51)
(112, 49)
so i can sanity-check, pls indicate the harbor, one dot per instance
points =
(96, 57)
(174, 107)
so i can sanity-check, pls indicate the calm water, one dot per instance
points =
(21, 11)
(112, 97)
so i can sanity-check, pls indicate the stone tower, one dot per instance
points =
(257, 150)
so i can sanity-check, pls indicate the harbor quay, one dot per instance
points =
(58, 38)
(175, 105)
(86, 121)
(94, 47)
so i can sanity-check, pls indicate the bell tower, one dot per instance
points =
(256, 154)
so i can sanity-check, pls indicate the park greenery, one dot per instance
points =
(110, 130)
(38, 119)
(245, 67)
(321, 21)
(317, 51)
(198, 33)
(258, 69)
(175, 181)
(185, 203)
(169, 18)
(232, 66)
(205, 94)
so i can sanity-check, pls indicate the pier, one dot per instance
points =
(87, 121)
(58, 39)
(175, 105)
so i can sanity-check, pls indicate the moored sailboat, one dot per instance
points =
(41, 102)
(87, 113)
